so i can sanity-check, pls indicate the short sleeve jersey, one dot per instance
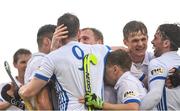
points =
(129, 89)
(32, 65)
(67, 64)
(158, 71)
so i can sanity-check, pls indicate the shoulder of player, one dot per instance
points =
(35, 57)
(149, 55)
(127, 79)
(158, 61)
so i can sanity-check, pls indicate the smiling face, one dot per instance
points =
(159, 44)
(137, 44)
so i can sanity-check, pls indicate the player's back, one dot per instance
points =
(68, 68)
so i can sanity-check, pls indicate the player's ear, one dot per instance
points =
(115, 69)
(125, 41)
(15, 64)
(78, 34)
(46, 41)
(167, 43)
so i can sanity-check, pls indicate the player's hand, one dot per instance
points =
(93, 101)
(173, 80)
(16, 94)
(59, 34)
(81, 100)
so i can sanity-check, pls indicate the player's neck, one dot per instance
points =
(20, 79)
(65, 41)
(137, 58)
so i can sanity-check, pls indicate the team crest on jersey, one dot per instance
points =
(157, 71)
(129, 94)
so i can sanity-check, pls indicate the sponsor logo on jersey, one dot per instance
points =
(129, 94)
(39, 68)
(157, 71)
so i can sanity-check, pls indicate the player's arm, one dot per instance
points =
(128, 106)
(32, 88)
(40, 79)
(59, 34)
(4, 105)
(119, 47)
(157, 75)
(153, 97)
(92, 100)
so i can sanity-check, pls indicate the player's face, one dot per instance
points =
(87, 37)
(22, 62)
(157, 44)
(137, 44)
(110, 77)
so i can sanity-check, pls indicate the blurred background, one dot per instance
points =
(20, 20)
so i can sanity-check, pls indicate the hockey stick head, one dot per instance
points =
(93, 59)
(8, 70)
(7, 67)
(28, 105)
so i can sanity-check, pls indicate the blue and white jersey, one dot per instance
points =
(129, 89)
(67, 64)
(140, 70)
(159, 96)
(32, 65)
(110, 94)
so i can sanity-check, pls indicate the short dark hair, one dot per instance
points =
(45, 31)
(71, 22)
(121, 58)
(171, 32)
(97, 33)
(20, 51)
(133, 27)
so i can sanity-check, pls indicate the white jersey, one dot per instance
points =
(159, 95)
(67, 64)
(32, 65)
(110, 94)
(129, 89)
(140, 70)
(11, 107)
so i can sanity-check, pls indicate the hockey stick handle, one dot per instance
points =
(88, 59)
(8, 70)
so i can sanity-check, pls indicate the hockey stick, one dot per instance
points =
(89, 58)
(8, 70)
